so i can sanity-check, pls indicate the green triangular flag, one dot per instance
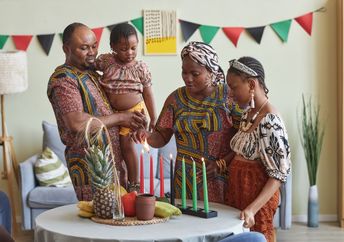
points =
(3, 39)
(61, 36)
(208, 33)
(282, 29)
(138, 23)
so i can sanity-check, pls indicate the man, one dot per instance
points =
(75, 95)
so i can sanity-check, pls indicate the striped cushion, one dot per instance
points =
(50, 171)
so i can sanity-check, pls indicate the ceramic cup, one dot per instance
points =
(145, 206)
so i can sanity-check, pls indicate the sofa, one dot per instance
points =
(36, 199)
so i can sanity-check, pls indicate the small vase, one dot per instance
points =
(313, 207)
(145, 206)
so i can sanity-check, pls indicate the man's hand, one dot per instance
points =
(133, 120)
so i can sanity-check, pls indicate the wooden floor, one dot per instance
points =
(298, 233)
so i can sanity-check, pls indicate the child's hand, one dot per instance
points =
(139, 136)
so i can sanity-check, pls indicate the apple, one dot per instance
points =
(128, 201)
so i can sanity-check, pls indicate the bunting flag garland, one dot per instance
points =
(233, 34)
(256, 33)
(306, 22)
(22, 41)
(98, 32)
(110, 27)
(188, 28)
(46, 40)
(282, 29)
(138, 23)
(3, 39)
(207, 32)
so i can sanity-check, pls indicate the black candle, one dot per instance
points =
(172, 180)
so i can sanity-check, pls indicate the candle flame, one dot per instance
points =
(142, 151)
(193, 159)
(170, 156)
(146, 146)
(202, 159)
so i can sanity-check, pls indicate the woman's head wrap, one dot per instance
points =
(206, 56)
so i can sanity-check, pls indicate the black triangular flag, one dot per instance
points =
(256, 33)
(110, 27)
(188, 28)
(46, 40)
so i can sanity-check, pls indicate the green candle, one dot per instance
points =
(194, 186)
(205, 187)
(183, 185)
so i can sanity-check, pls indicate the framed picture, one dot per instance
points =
(160, 27)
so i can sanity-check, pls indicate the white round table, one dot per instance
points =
(63, 224)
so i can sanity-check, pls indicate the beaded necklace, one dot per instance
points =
(245, 124)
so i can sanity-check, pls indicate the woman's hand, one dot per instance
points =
(211, 168)
(248, 216)
(151, 125)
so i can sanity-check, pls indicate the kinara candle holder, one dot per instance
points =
(198, 213)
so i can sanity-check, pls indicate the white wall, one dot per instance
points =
(302, 65)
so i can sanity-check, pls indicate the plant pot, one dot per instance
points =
(145, 206)
(313, 207)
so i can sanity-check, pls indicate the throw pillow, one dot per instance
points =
(50, 171)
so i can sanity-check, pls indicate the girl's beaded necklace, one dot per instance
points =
(245, 124)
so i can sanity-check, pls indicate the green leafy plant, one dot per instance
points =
(311, 135)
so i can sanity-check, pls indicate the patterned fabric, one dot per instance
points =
(119, 79)
(241, 67)
(246, 181)
(70, 90)
(267, 143)
(206, 56)
(202, 129)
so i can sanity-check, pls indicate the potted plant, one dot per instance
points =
(311, 135)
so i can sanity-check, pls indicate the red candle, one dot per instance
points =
(161, 177)
(151, 180)
(142, 178)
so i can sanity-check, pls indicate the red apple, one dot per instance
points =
(128, 201)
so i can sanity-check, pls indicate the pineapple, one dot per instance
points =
(101, 169)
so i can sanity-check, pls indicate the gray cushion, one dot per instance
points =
(51, 197)
(169, 148)
(51, 139)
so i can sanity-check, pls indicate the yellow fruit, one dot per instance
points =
(123, 191)
(86, 206)
(165, 210)
(85, 214)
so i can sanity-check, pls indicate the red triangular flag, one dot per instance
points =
(98, 32)
(233, 33)
(306, 22)
(21, 41)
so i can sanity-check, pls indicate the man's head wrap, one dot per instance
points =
(206, 56)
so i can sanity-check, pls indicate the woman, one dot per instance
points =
(198, 115)
(262, 159)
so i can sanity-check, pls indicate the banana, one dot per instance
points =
(86, 206)
(85, 214)
(165, 210)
